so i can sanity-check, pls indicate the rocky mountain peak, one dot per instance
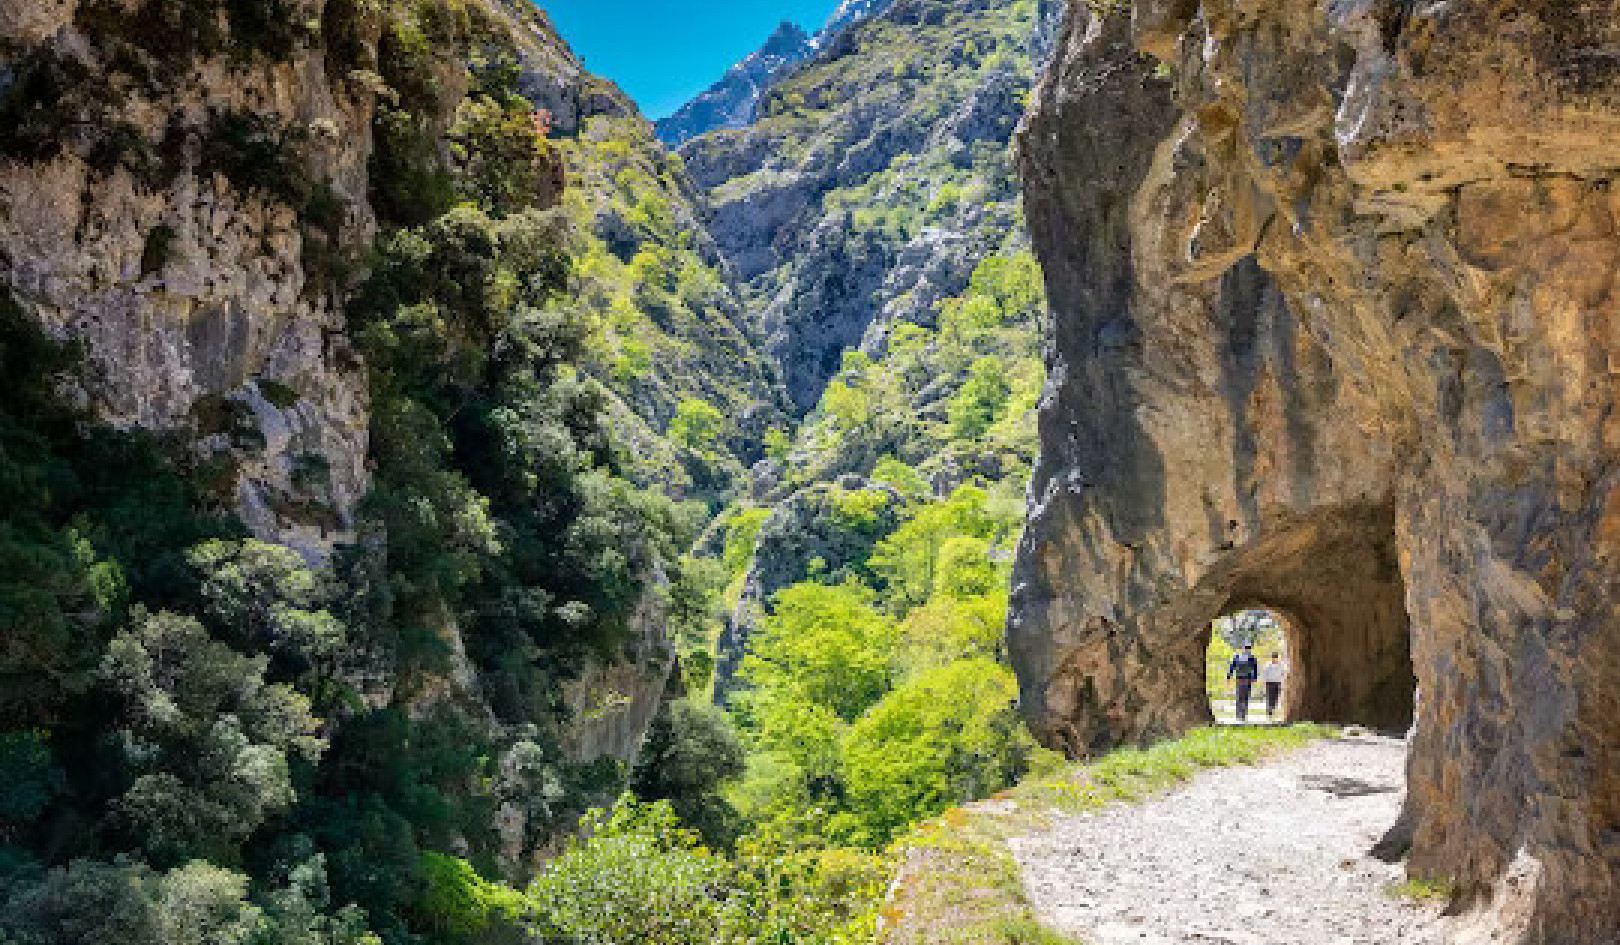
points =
(733, 102)
(849, 13)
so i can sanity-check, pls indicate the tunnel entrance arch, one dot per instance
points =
(1333, 583)
(1132, 670)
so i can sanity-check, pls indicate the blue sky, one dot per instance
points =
(663, 52)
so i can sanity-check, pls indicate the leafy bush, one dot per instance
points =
(639, 877)
(945, 737)
(697, 425)
(981, 400)
(460, 905)
(742, 532)
(89, 902)
(29, 778)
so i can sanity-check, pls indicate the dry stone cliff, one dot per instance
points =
(193, 298)
(1337, 332)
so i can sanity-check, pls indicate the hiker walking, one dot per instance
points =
(1273, 675)
(1243, 670)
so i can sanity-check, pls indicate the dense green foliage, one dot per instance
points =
(690, 754)
(873, 696)
(640, 877)
(210, 738)
(691, 391)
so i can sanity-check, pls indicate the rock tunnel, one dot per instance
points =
(1334, 325)
(1336, 583)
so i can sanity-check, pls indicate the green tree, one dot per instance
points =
(909, 559)
(947, 628)
(207, 736)
(981, 400)
(691, 753)
(270, 594)
(697, 425)
(823, 645)
(947, 736)
(29, 779)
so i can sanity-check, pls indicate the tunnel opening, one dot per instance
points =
(1326, 592)
(1246, 667)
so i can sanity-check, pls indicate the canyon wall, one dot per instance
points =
(127, 223)
(1335, 332)
(874, 177)
(191, 194)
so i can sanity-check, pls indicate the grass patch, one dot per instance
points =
(1130, 774)
(1422, 890)
(959, 884)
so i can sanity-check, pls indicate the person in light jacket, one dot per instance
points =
(1273, 675)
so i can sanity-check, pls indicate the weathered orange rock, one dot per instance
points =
(1336, 332)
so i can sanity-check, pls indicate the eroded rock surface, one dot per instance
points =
(196, 299)
(874, 179)
(1336, 332)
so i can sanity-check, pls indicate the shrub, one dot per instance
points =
(980, 401)
(698, 425)
(638, 877)
(458, 903)
(948, 736)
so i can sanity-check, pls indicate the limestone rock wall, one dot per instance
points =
(828, 206)
(192, 293)
(1336, 332)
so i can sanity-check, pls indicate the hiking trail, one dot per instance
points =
(1276, 854)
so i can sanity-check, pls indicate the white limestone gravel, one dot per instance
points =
(1275, 854)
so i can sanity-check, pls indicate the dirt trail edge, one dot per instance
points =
(1269, 855)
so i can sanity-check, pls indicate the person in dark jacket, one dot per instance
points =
(1243, 671)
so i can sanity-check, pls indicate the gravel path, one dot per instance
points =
(1268, 855)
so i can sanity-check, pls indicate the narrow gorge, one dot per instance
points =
(441, 506)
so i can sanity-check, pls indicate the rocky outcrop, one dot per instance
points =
(198, 301)
(730, 103)
(1336, 332)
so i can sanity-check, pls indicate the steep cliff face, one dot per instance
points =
(133, 218)
(875, 179)
(1336, 333)
(673, 331)
(330, 271)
